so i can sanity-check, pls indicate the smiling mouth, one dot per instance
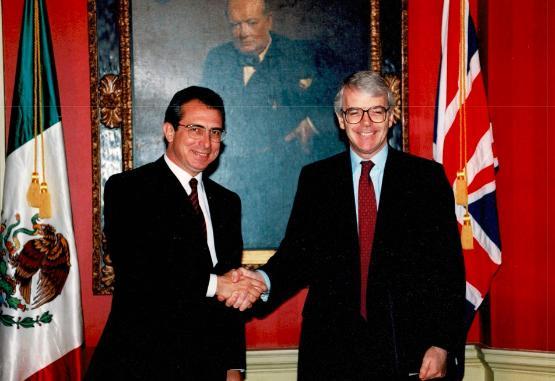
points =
(201, 154)
(368, 133)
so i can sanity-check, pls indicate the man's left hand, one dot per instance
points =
(304, 133)
(434, 364)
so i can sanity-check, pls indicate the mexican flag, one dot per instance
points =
(41, 325)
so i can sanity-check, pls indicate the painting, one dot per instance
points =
(278, 100)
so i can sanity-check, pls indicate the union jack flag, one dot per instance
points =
(463, 142)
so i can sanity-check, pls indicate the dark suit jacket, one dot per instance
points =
(416, 280)
(162, 325)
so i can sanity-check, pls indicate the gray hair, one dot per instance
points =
(368, 82)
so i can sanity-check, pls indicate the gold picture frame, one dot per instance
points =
(111, 75)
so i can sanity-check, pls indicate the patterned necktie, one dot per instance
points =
(366, 223)
(196, 206)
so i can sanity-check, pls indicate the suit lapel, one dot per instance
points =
(171, 190)
(217, 217)
(345, 201)
(175, 207)
(390, 197)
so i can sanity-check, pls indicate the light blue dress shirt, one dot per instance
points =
(376, 175)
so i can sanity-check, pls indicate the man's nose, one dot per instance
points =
(366, 119)
(205, 140)
(244, 29)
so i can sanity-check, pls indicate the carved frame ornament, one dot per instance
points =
(111, 107)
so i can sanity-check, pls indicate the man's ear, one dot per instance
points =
(169, 131)
(390, 118)
(340, 120)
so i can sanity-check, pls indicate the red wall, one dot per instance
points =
(68, 23)
(515, 54)
(69, 27)
(519, 86)
(521, 98)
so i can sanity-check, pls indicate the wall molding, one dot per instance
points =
(480, 365)
(272, 365)
(508, 365)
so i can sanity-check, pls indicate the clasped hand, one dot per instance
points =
(240, 288)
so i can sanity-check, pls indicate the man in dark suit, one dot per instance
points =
(274, 88)
(173, 234)
(374, 236)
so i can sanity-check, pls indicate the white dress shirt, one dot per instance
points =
(248, 70)
(184, 177)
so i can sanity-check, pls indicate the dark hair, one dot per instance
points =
(175, 111)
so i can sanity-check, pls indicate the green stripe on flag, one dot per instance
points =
(22, 116)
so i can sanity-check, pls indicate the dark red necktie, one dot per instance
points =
(196, 206)
(366, 223)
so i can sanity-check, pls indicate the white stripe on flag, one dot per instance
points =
(28, 350)
(480, 236)
(440, 132)
(482, 156)
(473, 295)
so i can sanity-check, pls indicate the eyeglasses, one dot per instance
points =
(377, 114)
(197, 132)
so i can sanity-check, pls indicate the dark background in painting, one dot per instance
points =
(169, 55)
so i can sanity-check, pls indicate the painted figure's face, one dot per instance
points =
(365, 137)
(193, 154)
(250, 25)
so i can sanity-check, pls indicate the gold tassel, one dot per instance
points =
(33, 193)
(467, 240)
(461, 189)
(45, 209)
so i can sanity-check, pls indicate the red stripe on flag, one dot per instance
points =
(453, 56)
(478, 258)
(485, 176)
(68, 368)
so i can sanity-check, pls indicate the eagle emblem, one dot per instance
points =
(46, 256)
(49, 256)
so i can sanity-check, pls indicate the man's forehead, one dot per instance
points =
(250, 8)
(353, 95)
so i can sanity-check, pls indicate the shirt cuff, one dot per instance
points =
(265, 295)
(212, 286)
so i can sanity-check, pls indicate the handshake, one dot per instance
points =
(240, 288)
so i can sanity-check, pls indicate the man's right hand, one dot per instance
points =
(240, 288)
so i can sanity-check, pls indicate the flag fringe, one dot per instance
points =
(33, 193)
(45, 208)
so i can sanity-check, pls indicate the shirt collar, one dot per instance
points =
(263, 53)
(378, 159)
(183, 176)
